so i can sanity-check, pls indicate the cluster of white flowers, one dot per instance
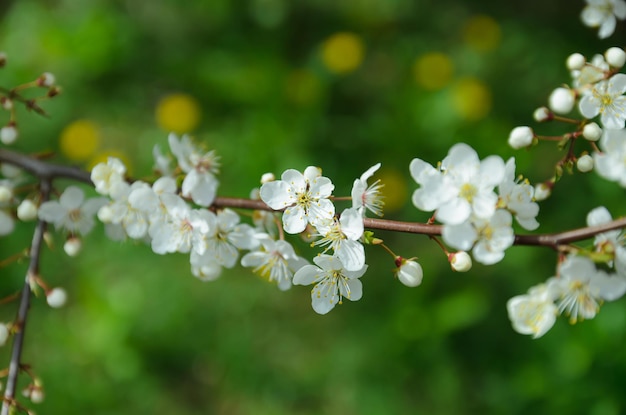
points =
(305, 199)
(462, 193)
(579, 289)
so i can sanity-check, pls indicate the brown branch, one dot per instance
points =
(48, 171)
(22, 313)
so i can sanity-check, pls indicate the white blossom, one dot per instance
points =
(71, 212)
(107, 175)
(332, 282)
(533, 313)
(342, 236)
(606, 98)
(611, 162)
(366, 197)
(303, 196)
(603, 14)
(517, 197)
(462, 186)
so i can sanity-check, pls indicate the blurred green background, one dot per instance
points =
(276, 84)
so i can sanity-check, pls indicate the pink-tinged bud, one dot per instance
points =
(460, 261)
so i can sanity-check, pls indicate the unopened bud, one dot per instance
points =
(542, 114)
(46, 79)
(542, 192)
(105, 214)
(27, 210)
(460, 261)
(562, 100)
(409, 272)
(616, 57)
(72, 246)
(8, 134)
(585, 163)
(575, 62)
(53, 91)
(592, 131)
(6, 103)
(56, 297)
(6, 194)
(267, 177)
(521, 137)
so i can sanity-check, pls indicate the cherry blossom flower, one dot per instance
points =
(107, 175)
(533, 313)
(463, 186)
(581, 288)
(276, 261)
(332, 282)
(200, 182)
(606, 98)
(611, 162)
(489, 238)
(517, 197)
(342, 236)
(72, 212)
(603, 14)
(303, 196)
(366, 197)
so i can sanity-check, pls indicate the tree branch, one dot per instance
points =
(22, 313)
(48, 171)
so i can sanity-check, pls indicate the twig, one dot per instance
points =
(22, 314)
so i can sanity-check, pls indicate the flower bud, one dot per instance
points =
(72, 246)
(616, 57)
(267, 177)
(542, 192)
(562, 100)
(6, 194)
(27, 210)
(521, 137)
(460, 261)
(575, 62)
(6, 103)
(8, 134)
(46, 79)
(585, 163)
(105, 214)
(9, 171)
(542, 114)
(56, 297)
(592, 131)
(409, 272)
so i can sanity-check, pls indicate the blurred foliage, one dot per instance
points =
(274, 84)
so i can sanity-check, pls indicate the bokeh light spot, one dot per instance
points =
(471, 99)
(433, 70)
(394, 191)
(79, 140)
(343, 52)
(178, 113)
(482, 33)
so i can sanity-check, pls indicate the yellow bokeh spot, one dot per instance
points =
(302, 87)
(482, 33)
(103, 156)
(343, 52)
(178, 113)
(79, 140)
(433, 70)
(394, 190)
(471, 99)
